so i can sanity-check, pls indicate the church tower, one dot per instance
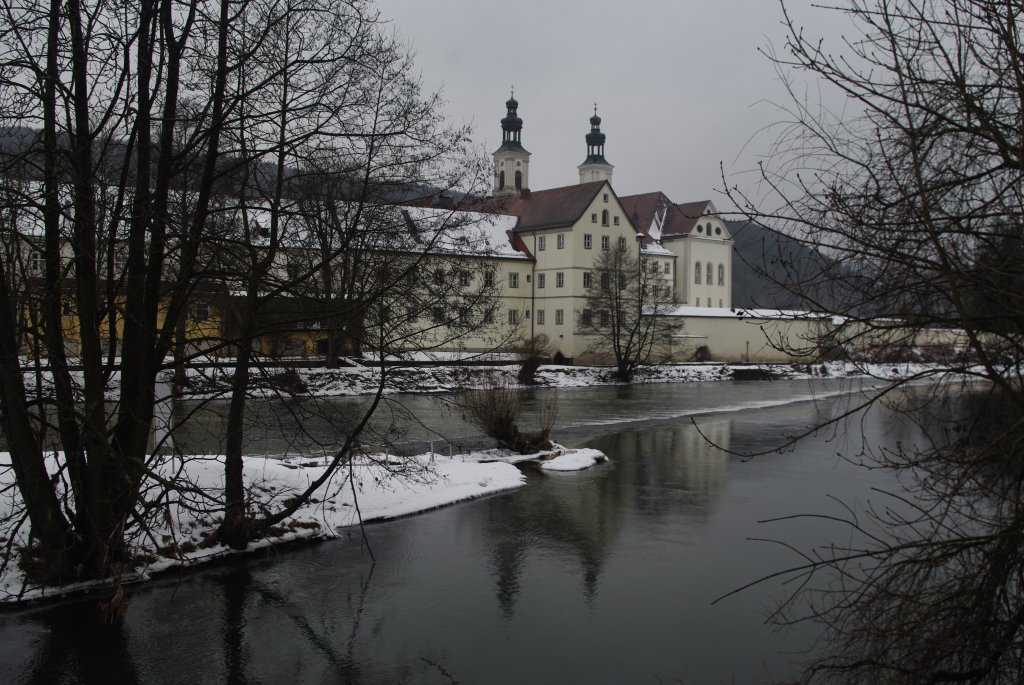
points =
(595, 167)
(511, 160)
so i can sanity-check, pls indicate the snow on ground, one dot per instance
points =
(558, 458)
(573, 460)
(373, 487)
(214, 381)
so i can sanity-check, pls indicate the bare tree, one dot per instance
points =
(625, 309)
(915, 190)
(161, 164)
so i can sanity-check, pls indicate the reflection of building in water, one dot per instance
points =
(582, 518)
(685, 458)
(656, 472)
(700, 459)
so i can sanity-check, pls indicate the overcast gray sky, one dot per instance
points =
(680, 84)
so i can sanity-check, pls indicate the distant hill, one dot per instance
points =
(770, 269)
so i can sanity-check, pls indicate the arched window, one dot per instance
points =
(710, 279)
(721, 274)
(501, 180)
(604, 217)
(519, 180)
(696, 273)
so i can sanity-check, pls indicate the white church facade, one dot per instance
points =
(563, 231)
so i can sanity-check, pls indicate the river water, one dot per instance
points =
(601, 576)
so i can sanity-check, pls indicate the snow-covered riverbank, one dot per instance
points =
(368, 488)
(361, 380)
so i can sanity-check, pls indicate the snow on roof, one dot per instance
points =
(387, 226)
(397, 228)
(723, 313)
(655, 249)
(465, 233)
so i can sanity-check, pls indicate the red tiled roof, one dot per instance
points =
(679, 218)
(545, 208)
(689, 213)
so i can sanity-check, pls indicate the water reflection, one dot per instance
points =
(82, 644)
(602, 576)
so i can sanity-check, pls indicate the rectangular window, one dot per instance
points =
(559, 317)
(464, 317)
(604, 242)
(489, 316)
(540, 317)
(593, 218)
(606, 281)
(438, 277)
(202, 312)
(65, 308)
(464, 277)
(605, 319)
(513, 280)
(622, 242)
(668, 267)
(542, 243)
(437, 315)
(489, 279)
(587, 278)
(587, 318)
(588, 241)
(560, 239)
(411, 315)
(513, 316)
(559, 279)
(606, 197)
(654, 267)
(35, 262)
(615, 220)
(540, 280)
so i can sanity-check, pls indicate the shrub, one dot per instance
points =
(495, 411)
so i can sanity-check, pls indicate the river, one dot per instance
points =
(601, 576)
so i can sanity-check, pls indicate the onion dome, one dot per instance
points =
(595, 140)
(511, 126)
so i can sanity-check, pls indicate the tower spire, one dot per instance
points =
(595, 167)
(511, 160)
